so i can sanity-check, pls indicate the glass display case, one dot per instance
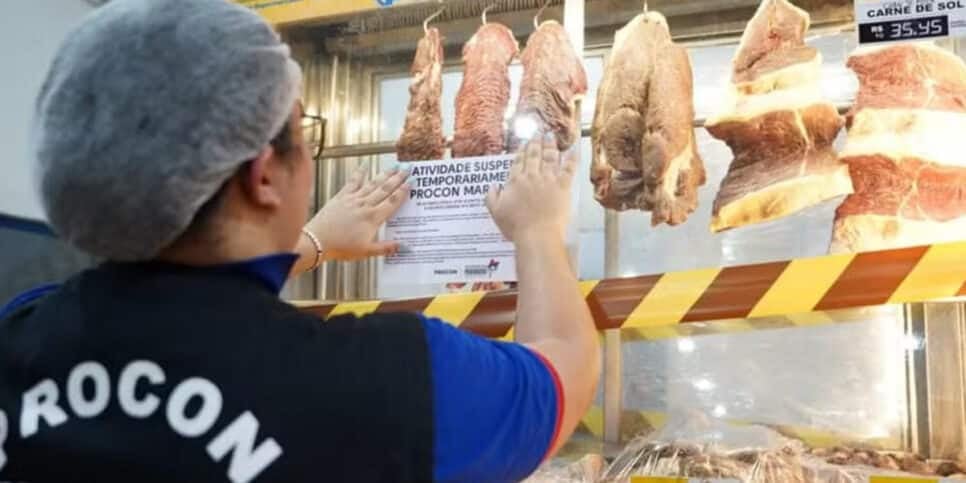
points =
(357, 75)
(750, 353)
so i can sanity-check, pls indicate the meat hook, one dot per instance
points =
(431, 17)
(487, 9)
(536, 18)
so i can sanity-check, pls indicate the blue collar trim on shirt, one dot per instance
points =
(27, 297)
(271, 270)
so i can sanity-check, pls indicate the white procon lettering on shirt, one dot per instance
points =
(4, 431)
(96, 374)
(201, 422)
(239, 437)
(127, 387)
(89, 393)
(40, 401)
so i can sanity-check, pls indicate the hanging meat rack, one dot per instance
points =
(389, 147)
(393, 31)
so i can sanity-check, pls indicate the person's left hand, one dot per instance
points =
(348, 224)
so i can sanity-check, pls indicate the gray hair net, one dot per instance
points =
(148, 109)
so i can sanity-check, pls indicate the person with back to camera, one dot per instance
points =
(169, 142)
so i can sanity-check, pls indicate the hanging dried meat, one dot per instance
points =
(553, 81)
(422, 137)
(645, 155)
(905, 150)
(482, 101)
(778, 125)
(909, 76)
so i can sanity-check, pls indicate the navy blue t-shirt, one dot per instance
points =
(497, 405)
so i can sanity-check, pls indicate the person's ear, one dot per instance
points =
(262, 182)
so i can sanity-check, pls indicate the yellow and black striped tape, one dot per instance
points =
(730, 295)
(731, 326)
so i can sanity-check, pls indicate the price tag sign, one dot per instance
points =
(897, 20)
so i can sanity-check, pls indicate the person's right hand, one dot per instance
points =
(348, 223)
(536, 197)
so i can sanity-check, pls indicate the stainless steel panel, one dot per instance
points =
(943, 346)
(340, 89)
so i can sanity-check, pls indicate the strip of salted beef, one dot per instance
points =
(778, 125)
(906, 151)
(422, 137)
(645, 154)
(909, 76)
(483, 97)
(554, 81)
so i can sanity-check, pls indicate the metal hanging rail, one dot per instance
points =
(389, 147)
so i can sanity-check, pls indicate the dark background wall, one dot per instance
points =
(30, 255)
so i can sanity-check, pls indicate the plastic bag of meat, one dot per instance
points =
(864, 462)
(696, 445)
(586, 470)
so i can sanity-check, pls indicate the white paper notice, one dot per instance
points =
(445, 231)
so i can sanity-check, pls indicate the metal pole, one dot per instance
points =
(315, 95)
(345, 275)
(574, 16)
(389, 147)
(917, 382)
(372, 290)
(613, 364)
(328, 170)
(573, 21)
